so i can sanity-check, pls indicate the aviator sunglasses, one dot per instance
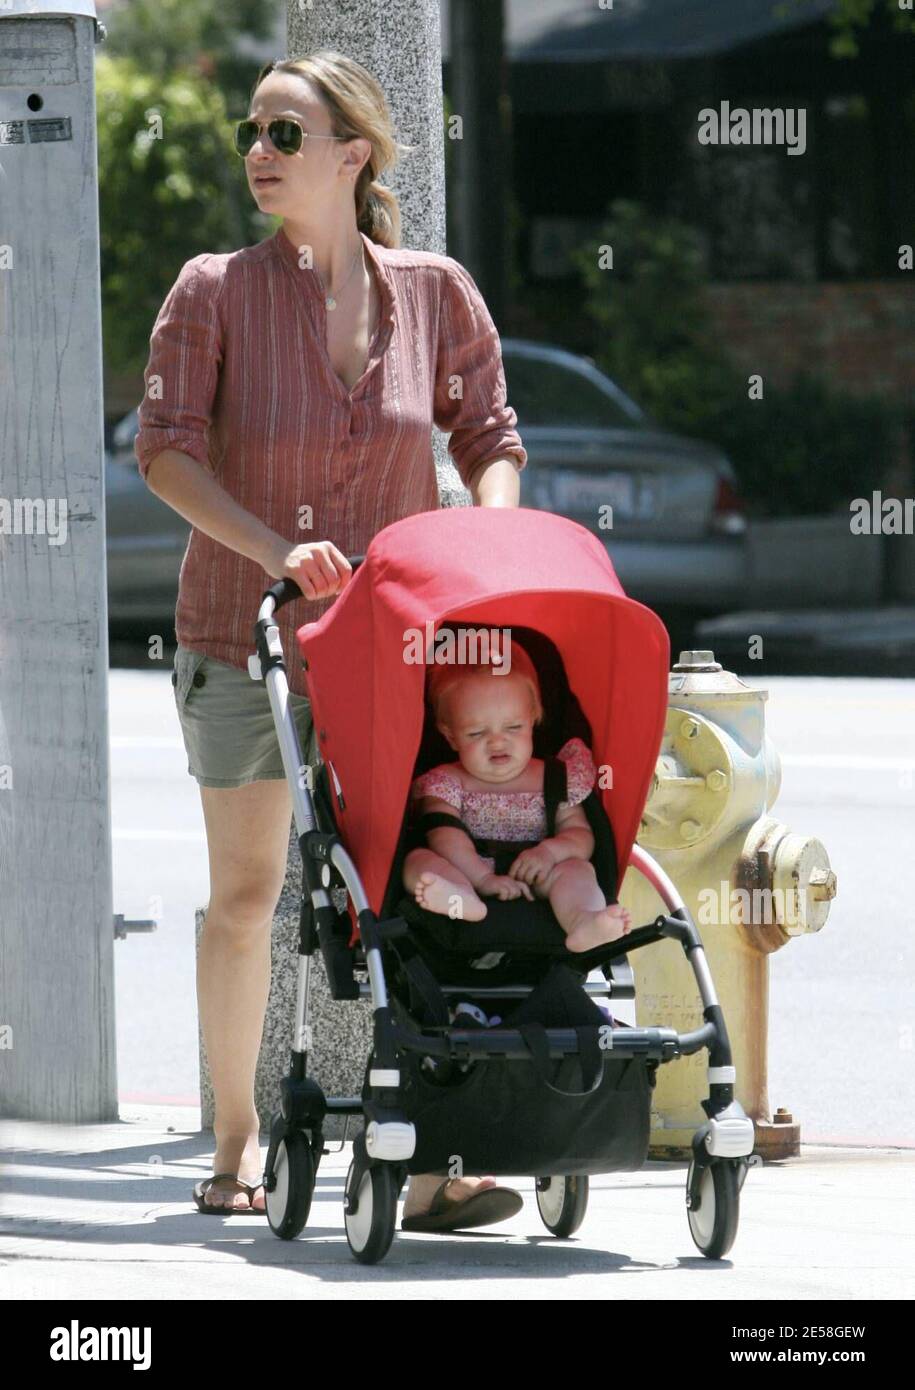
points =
(286, 135)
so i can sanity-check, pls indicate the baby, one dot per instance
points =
(496, 789)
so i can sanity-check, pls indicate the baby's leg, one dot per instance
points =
(581, 908)
(439, 886)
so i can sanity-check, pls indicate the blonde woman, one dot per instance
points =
(290, 393)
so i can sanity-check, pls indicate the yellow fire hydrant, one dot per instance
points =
(748, 881)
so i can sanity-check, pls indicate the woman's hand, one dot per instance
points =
(501, 886)
(318, 567)
(533, 864)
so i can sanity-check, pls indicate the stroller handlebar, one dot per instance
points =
(285, 590)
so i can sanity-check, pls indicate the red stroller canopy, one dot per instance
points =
(496, 567)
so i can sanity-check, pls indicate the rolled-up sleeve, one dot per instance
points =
(182, 374)
(470, 379)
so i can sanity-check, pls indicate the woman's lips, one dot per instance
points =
(264, 180)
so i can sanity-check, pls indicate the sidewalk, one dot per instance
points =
(822, 641)
(105, 1212)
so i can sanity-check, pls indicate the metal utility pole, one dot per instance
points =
(57, 1035)
(480, 102)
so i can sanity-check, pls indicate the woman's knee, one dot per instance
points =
(247, 839)
(246, 907)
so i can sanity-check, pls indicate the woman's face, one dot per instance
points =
(490, 725)
(314, 176)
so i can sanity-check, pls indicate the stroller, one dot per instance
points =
(551, 1086)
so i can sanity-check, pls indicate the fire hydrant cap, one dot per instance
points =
(807, 883)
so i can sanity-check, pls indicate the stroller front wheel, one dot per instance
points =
(713, 1224)
(289, 1203)
(562, 1203)
(370, 1228)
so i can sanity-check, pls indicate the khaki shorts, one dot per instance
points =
(227, 723)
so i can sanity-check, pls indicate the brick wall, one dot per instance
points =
(860, 333)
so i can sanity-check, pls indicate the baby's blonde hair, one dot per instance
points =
(442, 680)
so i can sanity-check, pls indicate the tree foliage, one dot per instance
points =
(169, 82)
(850, 18)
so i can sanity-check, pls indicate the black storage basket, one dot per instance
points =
(538, 1116)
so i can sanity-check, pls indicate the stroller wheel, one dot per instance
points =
(713, 1224)
(562, 1203)
(289, 1203)
(370, 1228)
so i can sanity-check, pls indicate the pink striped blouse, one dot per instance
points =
(239, 377)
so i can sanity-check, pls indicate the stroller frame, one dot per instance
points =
(720, 1148)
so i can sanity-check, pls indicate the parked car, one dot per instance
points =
(666, 506)
(145, 539)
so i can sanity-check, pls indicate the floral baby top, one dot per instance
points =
(509, 815)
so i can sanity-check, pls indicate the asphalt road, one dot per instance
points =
(842, 1017)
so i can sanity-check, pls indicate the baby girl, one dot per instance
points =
(496, 789)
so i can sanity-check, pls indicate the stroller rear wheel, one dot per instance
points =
(713, 1224)
(370, 1228)
(562, 1203)
(289, 1203)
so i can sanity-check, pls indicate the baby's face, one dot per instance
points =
(490, 725)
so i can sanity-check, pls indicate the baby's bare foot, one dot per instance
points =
(438, 894)
(593, 929)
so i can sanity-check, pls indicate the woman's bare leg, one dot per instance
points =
(422, 871)
(247, 839)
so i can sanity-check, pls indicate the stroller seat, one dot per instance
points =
(518, 941)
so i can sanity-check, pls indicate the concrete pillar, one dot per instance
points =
(400, 43)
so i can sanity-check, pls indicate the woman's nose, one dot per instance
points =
(264, 142)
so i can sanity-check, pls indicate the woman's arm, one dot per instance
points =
(318, 568)
(469, 400)
(495, 484)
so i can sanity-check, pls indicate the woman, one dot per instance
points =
(290, 393)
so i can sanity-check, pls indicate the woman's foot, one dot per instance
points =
(423, 1187)
(591, 929)
(249, 1168)
(437, 894)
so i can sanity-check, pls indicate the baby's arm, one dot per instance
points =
(574, 838)
(451, 843)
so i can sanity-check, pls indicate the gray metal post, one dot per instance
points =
(400, 43)
(57, 1035)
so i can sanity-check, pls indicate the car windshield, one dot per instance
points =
(544, 392)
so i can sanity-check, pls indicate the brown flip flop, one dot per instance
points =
(482, 1209)
(212, 1208)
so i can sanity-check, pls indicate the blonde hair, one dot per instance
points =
(357, 108)
(443, 679)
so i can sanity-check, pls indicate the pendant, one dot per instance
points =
(331, 303)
